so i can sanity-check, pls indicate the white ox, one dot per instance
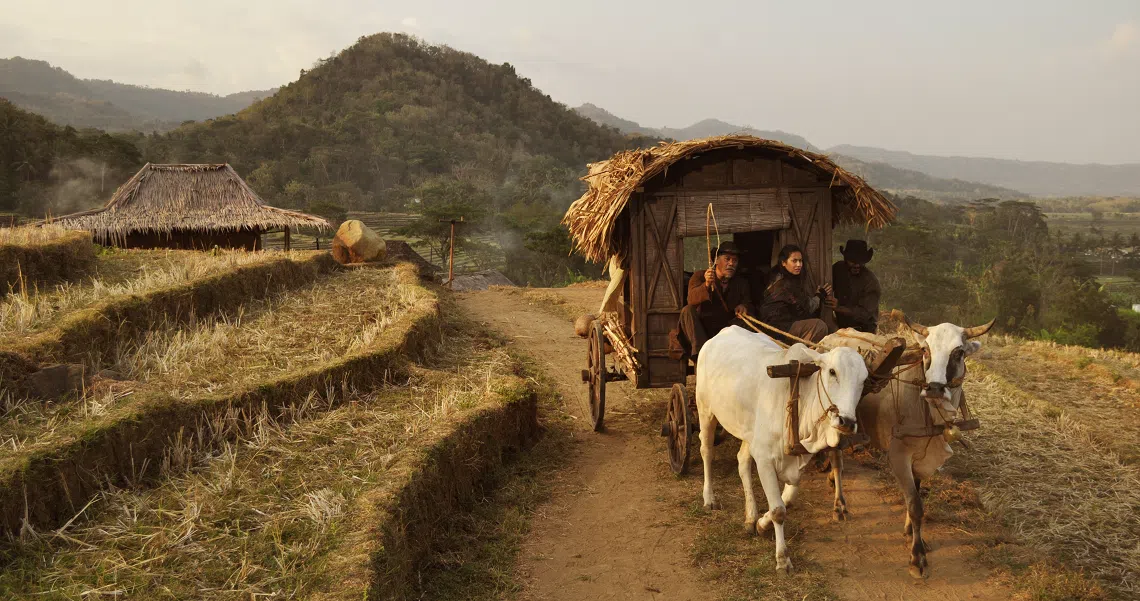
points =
(733, 388)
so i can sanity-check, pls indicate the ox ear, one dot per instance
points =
(803, 354)
(971, 347)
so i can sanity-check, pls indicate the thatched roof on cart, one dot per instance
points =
(592, 218)
(164, 198)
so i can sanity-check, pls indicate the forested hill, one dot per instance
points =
(367, 127)
(37, 86)
(46, 168)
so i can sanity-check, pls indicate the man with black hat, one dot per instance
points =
(716, 298)
(856, 299)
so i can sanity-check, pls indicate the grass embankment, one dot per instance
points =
(115, 272)
(68, 460)
(346, 496)
(1055, 462)
(32, 257)
(93, 334)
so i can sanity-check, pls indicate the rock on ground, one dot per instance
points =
(357, 243)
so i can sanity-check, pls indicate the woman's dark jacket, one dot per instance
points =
(787, 300)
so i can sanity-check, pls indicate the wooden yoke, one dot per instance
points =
(793, 370)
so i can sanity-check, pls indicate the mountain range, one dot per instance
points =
(38, 87)
(1037, 178)
(391, 101)
(881, 174)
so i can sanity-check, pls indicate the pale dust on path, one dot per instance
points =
(614, 527)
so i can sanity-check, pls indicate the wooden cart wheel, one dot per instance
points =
(677, 417)
(596, 365)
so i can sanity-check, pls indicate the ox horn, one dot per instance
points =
(918, 328)
(976, 331)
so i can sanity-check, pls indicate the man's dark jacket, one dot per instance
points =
(718, 308)
(859, 294)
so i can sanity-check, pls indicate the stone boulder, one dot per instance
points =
(357, 243)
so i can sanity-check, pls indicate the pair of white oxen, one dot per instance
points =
(734, 390)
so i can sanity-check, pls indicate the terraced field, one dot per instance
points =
(286, 509)
(242, 445)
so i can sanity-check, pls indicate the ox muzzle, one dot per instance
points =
(846, 425)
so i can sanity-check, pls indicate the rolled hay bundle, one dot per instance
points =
(357, 243)
(583, 324)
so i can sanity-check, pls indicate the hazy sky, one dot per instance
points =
(1035, 80)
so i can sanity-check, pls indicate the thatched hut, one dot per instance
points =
(186, 206)
(641, 204)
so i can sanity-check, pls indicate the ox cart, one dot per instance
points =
(638, 211)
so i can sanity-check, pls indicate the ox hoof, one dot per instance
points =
(784, 567)
(841, 514)
(919, 571)
(714, 506)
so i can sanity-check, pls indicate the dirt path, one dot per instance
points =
(607, 533)
(868, 551)
(620, 526)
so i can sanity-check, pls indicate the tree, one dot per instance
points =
(440, 200)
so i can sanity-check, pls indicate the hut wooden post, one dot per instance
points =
(451, 251)
(286, 237)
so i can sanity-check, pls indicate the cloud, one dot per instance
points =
(410, 22)
(1123, 39)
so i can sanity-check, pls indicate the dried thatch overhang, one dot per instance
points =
(164, 199)
(593, 218)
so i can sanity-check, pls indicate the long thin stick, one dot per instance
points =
(710, 215)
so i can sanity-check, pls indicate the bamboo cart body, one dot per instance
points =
(642, 204)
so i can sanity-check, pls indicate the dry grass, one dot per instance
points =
(27, 235)
(262, 518)
(1057, 490)
(340, 314)
(116, 273)
(590, 284)
(1090, 387)
(256, 343)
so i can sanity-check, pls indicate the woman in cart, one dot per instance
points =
(788, 304)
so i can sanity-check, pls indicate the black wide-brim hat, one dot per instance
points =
(857, 251)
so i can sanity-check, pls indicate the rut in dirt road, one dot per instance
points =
(616, 525)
